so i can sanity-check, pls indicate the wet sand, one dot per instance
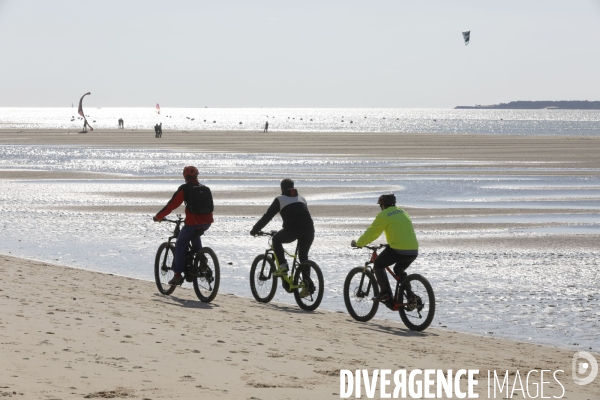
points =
(568, 152)
(69, 333)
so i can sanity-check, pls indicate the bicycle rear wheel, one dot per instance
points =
(262, 282)
(310, 279)
(206, 283)
(417, 293)
(359, 288)
(163, 267)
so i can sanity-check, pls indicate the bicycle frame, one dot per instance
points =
(369, 267)
(176, 231)
(295, 263)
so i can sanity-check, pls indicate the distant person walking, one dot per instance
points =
(156, 130)
(160, 130)
(266, 127)
(120, 123)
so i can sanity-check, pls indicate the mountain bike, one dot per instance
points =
(301, 281)
(201, 268)
(413, 298)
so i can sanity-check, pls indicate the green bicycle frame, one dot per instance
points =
(289, 279)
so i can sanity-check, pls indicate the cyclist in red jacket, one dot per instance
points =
(193, 222)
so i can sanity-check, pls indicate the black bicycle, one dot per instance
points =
(305, 279)
(201, 268)
(413, 298)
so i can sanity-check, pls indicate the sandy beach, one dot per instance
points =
(479, 124)
(70, 333)
(570, 152)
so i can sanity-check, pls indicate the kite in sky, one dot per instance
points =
(80, 112)
(466, 36)
(157, 108)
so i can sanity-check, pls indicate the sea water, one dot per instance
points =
(521, 122)
(544, 295)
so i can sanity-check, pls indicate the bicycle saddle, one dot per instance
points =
(199, 232)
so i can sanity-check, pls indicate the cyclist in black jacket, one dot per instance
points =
(297, 224)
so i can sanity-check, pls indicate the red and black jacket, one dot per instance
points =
(178, 198)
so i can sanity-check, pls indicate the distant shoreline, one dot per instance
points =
(537, 105)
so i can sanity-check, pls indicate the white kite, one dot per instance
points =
(466, 36)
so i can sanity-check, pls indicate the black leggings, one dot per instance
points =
(305, 239)
(386, 258)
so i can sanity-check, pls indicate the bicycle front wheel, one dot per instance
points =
(417, 295)
(309, 278)
(206, 283)
(262, 282)
(359, 288)
(163, 268)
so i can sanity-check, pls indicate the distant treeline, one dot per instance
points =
(537, 105)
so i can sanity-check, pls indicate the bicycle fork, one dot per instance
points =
(263, 276)
(362, 294)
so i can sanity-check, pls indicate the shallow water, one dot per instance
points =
(542, 295)
(522, 122)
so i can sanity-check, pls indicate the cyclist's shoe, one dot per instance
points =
(177, 280)
(383, 297)
(282, 271)
(308, 289)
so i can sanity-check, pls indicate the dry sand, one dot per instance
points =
(67, 333)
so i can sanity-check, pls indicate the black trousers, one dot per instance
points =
(305, 240)
(386, 258)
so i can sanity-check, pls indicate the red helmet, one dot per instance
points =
(190, 170)
(387, 199)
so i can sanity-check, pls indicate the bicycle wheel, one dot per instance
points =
(310, 293)
(163, 268)
(359, 288)
(262, 282)
(206, 284)
(417, 293)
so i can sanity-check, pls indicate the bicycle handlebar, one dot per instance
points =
(374, 248)
(261, 233)
(173, 221)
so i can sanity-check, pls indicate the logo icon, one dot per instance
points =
(582, 368)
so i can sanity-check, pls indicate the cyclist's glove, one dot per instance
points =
(253, 232)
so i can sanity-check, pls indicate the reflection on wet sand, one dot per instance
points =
(497, 246)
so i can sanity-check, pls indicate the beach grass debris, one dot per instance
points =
(118, 393)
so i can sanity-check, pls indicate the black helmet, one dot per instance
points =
(387, 199)
(287, 183)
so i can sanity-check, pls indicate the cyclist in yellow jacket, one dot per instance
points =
(403, 246)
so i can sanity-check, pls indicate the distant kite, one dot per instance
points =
(466, 36)
(157, 108)
(80, 112)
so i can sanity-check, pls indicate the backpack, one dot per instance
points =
(198, 199)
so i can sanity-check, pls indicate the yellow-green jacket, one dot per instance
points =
(398, 228)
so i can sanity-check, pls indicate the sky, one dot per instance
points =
(280, 53)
